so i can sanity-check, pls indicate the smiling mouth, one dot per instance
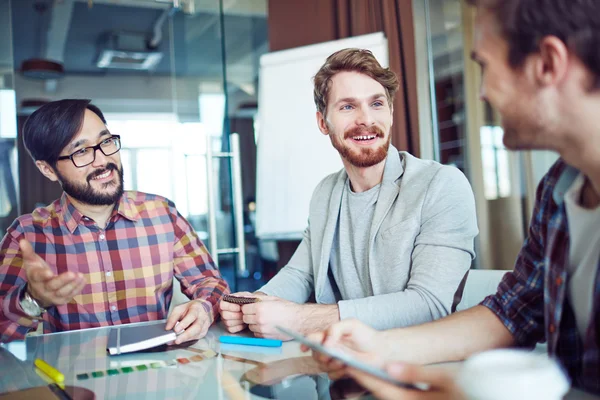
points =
(103, 176)
(364, 137)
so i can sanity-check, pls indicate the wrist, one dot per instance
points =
(315, 317)
(36, 297)
(30, 305)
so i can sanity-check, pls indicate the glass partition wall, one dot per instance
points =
(167, 75)
(8, 123)
(465, 132)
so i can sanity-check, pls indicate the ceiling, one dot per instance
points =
(74, 33)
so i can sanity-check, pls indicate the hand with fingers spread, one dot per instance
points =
(46, 288)
(441, 383)
(354, 338)
(231, 313)
(192, 317)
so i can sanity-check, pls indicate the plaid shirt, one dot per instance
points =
(532, 300)
(129, 266)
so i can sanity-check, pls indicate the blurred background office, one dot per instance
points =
(177, 78)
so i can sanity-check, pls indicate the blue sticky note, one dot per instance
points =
(250, 341)
(226, 347)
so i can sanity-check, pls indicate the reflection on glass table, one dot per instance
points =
(201, 369)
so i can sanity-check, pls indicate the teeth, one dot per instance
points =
(104, 175)
(364, 137)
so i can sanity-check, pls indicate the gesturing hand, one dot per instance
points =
(192, 317)
(43, 285)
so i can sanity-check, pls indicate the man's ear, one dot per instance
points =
(47, 170)
(552, 61)
(392, 114)
(322, 123)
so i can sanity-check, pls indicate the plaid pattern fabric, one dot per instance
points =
(532, 300)
(129, 266)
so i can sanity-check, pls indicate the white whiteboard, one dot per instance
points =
(293, 155)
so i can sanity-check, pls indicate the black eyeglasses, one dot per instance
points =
(87, 155)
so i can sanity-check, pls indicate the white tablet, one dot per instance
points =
(352, 362)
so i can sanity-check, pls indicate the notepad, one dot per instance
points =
(125, 339)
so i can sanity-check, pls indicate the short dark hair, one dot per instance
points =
(356, 60)
(524, 23)
(52, 127)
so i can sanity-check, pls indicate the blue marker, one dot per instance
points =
(250, 341)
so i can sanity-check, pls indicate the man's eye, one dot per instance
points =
(378, 104)
(347, 107)
(106, 142)
(81, 152)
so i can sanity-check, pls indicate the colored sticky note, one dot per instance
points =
(197, 358)
(141, 367)
(82, 377)
(126, 370)
(157, 364)
(183, 360)
(111, 372)
(97, 374)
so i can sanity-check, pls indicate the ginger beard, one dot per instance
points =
(361, 157)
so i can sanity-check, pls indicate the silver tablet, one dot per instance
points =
(351, 362)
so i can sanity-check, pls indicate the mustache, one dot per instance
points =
(109, 167)
(358, 131)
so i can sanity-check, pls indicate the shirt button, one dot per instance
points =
(114, 308)
(559, 281)
(552, 328)
(101, 237)
(108, 273)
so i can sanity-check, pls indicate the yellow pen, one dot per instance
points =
(49, 370)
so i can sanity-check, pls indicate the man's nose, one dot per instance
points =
(364, 117)
(99, 158)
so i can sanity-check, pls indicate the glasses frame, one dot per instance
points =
(94, 148)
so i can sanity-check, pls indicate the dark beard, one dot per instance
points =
(366, 157)
(88, 195)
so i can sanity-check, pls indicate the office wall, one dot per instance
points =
(299, 23)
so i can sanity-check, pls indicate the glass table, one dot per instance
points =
(205, 369)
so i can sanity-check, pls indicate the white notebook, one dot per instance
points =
(125, 339)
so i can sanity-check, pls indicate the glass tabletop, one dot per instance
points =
(205, 369)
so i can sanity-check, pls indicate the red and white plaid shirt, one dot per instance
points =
(129, 266)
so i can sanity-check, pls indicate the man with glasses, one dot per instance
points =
(99, 255)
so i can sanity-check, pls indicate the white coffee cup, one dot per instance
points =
(512, 374)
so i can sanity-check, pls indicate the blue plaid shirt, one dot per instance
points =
(532, 300)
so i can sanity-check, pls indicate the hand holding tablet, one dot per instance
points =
(351, 361)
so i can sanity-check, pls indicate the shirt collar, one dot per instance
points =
(73, 217)
(564, 182)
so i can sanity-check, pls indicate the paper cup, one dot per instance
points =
(512, 374)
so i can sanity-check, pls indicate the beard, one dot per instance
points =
(363, 157)
(86, 194)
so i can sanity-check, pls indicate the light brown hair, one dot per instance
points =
(353, 60)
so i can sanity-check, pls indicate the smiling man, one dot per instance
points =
(540, 63)
(390, 237)
(99, 255)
